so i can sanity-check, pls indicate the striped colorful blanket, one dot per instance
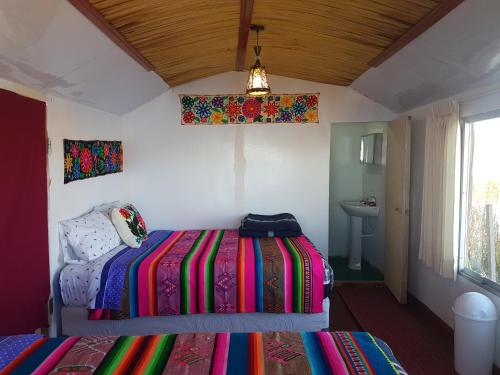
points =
(205, 271)
(319, 353)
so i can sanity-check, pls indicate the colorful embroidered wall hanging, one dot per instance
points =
(243, 109)
(85, 159)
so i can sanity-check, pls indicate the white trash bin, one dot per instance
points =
(475, 330)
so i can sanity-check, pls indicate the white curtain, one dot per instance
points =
(441, 187)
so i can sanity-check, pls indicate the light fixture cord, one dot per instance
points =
(257, 47)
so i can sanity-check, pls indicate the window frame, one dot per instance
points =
(465, 127)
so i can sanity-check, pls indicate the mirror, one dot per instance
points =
(371, 148)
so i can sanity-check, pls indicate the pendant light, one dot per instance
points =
(257, 80)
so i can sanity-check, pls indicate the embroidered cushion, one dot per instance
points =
(90, 236)
(129, 225)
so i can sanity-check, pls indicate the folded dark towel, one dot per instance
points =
(270, 222)
(261, 234)
(280, 225)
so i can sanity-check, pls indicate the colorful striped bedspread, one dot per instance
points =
(319, 353)
(206, 271)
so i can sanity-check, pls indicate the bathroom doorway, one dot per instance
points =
(357, 200)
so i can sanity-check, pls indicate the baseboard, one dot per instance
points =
(414, 300)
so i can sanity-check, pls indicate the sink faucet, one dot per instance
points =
(371, 200)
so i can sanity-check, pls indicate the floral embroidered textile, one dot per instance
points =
(244, 109)
(85, 159)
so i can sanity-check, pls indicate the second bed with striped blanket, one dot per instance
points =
(205, 271)
(339, 353)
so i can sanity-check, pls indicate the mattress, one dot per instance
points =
(206, 271)
(339, 353)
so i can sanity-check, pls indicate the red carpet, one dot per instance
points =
(421, 342)
(341, 319)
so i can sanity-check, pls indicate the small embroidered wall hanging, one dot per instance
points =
(86, 159)
(244, 109)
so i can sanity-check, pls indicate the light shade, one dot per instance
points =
(257, 80)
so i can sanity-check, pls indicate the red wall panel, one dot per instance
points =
(24, 249)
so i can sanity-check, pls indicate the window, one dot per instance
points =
(480, 201)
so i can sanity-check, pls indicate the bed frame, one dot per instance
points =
(75, 323)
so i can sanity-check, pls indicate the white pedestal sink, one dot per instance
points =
(357, 210)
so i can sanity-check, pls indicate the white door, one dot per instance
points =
(397, 204)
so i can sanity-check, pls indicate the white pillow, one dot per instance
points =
(90, 236)
(69, 256)
(106, 208)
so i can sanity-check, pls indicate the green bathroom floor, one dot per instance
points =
(342, 272)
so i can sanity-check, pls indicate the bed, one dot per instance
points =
(198, 281)
(200, 353)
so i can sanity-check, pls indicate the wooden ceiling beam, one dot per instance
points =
(246, 10)
(100, 22)
(419, 28)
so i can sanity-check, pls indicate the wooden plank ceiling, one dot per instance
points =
(329, 41)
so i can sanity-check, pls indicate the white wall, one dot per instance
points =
(49, 45)
(351, 180)
(374, 182)
(430, 288)
(455, 54)
(346, 182)
(209, 176)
